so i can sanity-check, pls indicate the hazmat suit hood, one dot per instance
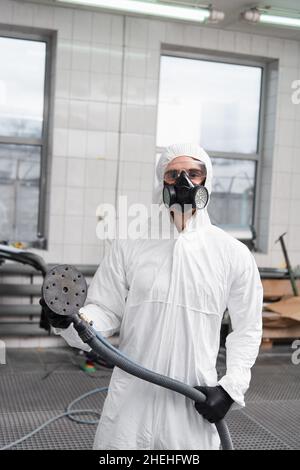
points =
(194, 151)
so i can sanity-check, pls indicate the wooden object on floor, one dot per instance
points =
(276, 288)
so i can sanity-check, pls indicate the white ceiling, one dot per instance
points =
(233, 8)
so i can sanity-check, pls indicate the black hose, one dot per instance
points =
(111, 354)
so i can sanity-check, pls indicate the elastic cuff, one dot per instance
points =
(71, 336)
(233, 391)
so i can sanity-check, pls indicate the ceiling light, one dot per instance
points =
(271, 16)
(154, 9)
(281, 20)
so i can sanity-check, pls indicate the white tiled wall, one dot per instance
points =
(105, 109)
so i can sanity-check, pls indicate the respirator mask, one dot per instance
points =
(180, 190)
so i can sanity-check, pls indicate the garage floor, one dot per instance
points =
(36, 385)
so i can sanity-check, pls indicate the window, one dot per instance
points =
(217, 104)
(23, 138)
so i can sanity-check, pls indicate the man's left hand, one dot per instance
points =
(216, 405)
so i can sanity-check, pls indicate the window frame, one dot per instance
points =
(40, 241)
(234, 59)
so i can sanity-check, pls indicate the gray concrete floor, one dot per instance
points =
(37, 384)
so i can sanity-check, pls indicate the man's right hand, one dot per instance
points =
(55, 320)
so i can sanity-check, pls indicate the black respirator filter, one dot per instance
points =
(185, 194)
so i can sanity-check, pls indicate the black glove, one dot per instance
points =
(55, 320)
(216, 405)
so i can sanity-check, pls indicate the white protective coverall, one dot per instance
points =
(167, 297)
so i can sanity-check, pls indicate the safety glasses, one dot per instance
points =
(195, 175)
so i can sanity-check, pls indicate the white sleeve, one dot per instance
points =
(242, 344)
(106, 298)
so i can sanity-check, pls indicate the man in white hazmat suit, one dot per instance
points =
(167, 297)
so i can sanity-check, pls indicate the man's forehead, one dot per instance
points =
(179, 161)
